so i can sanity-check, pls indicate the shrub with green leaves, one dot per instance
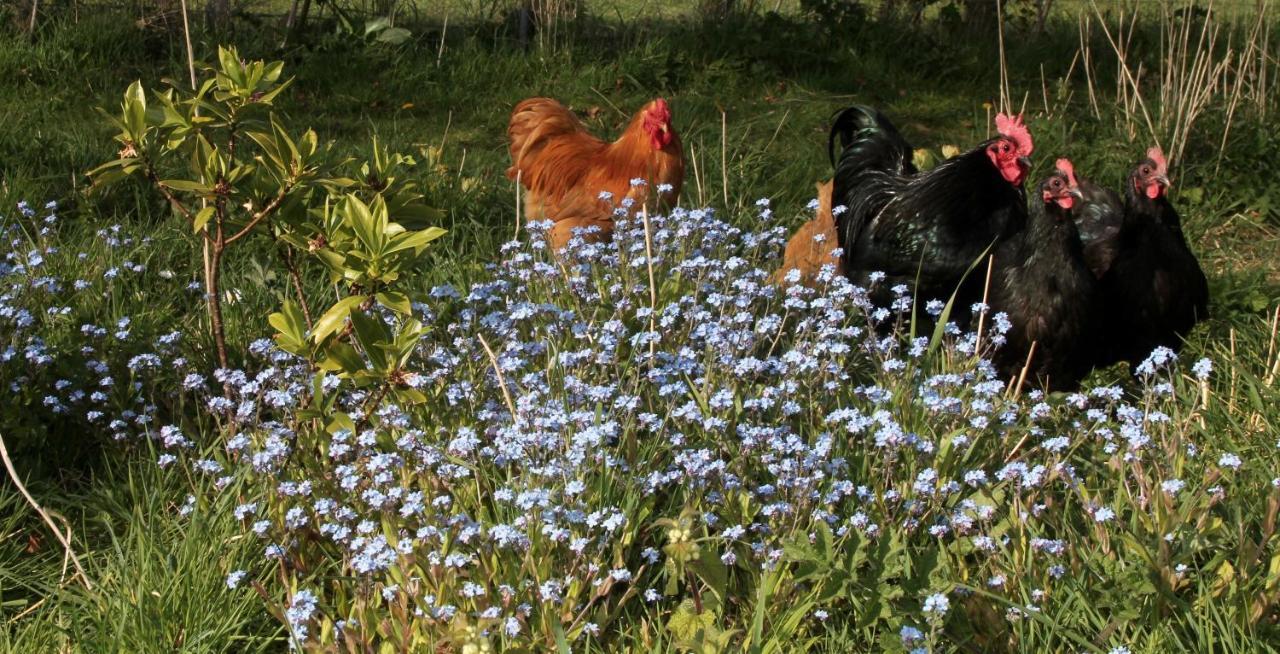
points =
(230, 168)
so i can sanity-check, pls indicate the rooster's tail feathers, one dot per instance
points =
(876, 142)
(533, 121)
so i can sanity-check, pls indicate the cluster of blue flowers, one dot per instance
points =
(71, 358)
(576, 398)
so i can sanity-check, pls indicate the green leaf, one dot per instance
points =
(562, 645)
(373, 336)
(398, 302)
(824, 545)
(416, 240)
(712, 571)
(135, 111)
(341, 421)
(283, 137)
(407, 341)
(345, 356)
(229, 59)
(409, 395)
(764, 591)
(269, 96)
(416, 216)
(186, 185)
(332, 319)
(271, 74)
(686, 622)
(362, 222)
(267, 143)
(114, 171)
(377, 24)
(935, 341)
(333, 260)
(289, 322)
(394, 35)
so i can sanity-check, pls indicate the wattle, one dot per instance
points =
(1013, 174)
(1153, 191)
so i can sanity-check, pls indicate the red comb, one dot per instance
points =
(660, 109)
(1156, 155)
(1011, 127)
(1064, 166)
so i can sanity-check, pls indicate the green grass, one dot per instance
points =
(159, 576)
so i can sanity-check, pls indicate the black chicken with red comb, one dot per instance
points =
(1040, 281)
(928, 226)
(1152, 286)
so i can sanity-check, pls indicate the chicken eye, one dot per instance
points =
(1146, 170)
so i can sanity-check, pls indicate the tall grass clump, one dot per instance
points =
(1203, 64)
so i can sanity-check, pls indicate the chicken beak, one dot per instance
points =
(1075, 193)
(1025, 163)
(1161, 180)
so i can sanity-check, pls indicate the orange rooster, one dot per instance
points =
(565, 169)
(812, 245)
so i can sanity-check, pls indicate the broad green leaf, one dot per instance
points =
(396, 301)
(332, 319)
(562, 645)
(346, 357)
(283, 137)
(341, 421)
(409, 395)
(686, 622)
(272, 72)
(230, 62)
(416, 240)
(415, 216)
(394, 35)
(135, 111)
(361, 220)
(186, 185)
(373, 336)
(290, 322)
(269, 96)
(376, 24)
(712, 571)
(113, 171)
(266, 142)
(333, 260)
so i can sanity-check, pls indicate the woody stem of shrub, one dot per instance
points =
(291, 264)
(213, 245)
(66, 544)
(212, 291)
(375, 401)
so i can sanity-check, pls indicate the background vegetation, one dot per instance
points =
(752, 85)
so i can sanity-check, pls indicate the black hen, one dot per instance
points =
(1040, 281)
(1154, 288)
(929, 226)
(1099, 216)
